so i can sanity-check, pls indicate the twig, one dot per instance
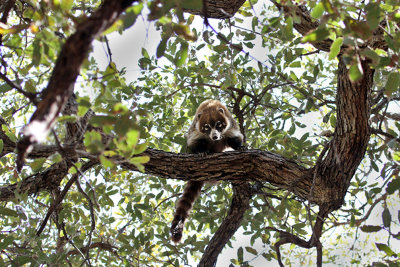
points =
(108, 49)
(92, 217)
(30, 96)
(61, 196)
(56, 202)
(101, 245)
(166, 199)
(359, 221)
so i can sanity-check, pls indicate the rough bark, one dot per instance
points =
(351, 136)
(218, 9)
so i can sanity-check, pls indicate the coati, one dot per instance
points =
(213, 130)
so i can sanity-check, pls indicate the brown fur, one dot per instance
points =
(211, 116)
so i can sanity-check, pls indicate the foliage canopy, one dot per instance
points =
(300, 77)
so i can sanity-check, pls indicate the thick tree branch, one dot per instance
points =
(47, 180)
(218, 9)
(100, 245)
(351, 136)
(61, 84)
(240, 203)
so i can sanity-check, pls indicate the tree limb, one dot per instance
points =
(240, 203)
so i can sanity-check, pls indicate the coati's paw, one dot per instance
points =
(203, 154)
(242, 148)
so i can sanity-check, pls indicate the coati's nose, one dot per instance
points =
(215, 137)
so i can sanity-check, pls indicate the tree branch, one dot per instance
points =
(62, 195)
(240, 203)
(218, 9)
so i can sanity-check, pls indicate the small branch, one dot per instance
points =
(92, 217)
(30, 96)
(7, 6)
(61, 196)
(166, 199)
(366, 216)
(388, 135)
(108, 50)
(286, 237)
(56, 202)
(100, 245)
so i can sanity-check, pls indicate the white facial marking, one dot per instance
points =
(215, 135)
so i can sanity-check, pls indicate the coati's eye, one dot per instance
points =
(206, 127)
(220, 126)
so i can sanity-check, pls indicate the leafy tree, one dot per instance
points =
(92, 178)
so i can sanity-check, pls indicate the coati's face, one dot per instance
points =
(213, 123)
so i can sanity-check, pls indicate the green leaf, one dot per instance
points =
(393, 82)
(161, 47)
(240, 254)
(8, 212)
(181, 55)
(106, 162)
(251, 250)
(21, 260)
(287, 31)
(385, 248)
(393, 186)
(296, 64)
(317, 11)
(355, 72)
(371, 55)
(6, 242)
(145, 53)
(37, 164)
(386, 217)
(1, 145)
(66, 5)
(373, 14)
(101, 120)
(131, 14)
(370, 228)
(132, 137)
(335, 48)
(317, 35)
(37, 53)
(235, 261)
(66, 118)
(141, 160)
(5, 88)
(84, 105)
(93, 142)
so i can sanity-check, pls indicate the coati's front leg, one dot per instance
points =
(236, 143)
(200, 146)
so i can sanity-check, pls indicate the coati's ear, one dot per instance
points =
(199, 115)
(221, 110)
